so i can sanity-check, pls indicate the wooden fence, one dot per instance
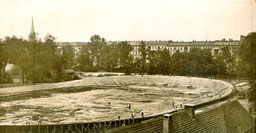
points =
(91, 127)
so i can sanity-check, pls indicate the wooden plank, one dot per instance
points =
(39, 128)
(47, 128)
(82, 128)
(109, 125)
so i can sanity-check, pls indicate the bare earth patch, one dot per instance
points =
(95, 105)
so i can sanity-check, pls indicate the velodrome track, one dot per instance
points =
(159, 89)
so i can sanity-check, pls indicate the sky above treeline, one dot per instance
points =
(120, 20)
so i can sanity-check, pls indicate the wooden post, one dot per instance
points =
(94, 127)
(82, 128)
(61, 128)
(54, 128)
(190, 108)
(38, 128)
(89, 127)
(99, 127)
(105, 126)
(167, 123)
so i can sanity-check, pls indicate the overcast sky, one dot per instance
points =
(77, 20)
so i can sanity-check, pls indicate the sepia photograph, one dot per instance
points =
(127, 66)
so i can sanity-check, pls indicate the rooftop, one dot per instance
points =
(228, 117)
(161, 43)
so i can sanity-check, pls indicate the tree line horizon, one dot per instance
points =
(98, 56)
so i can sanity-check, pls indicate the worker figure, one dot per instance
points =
(142, 114)
(39, 121)
(129, 106)
(133, 115)
(118, 116)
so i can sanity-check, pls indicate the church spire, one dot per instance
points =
(32, 35)
(32, 27)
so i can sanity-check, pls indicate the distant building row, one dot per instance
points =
(214, 46)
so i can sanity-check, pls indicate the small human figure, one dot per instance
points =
(118, 116)
(172, 103)
(129, 106)
(142, 114)
(39, 121)
(133, 115)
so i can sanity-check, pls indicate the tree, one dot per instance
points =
(3, 60)
(34, 51)
(153, 62)
(229, 61)
(84, 60)
(21, 55)
(110, 58)
(247, 63)
(69, 55)
(42, 69)
(36, 61)
(58, 58)
(196, 62)
(96, 47)
(124, 57)
(143, 57)
(203, 60)
(220, 67)
(159, 62)
(179, 60)
(164, 62)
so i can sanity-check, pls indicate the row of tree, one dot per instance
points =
(46, 62)
(36, 61)
(98, 56)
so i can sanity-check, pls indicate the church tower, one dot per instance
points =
(32, 35)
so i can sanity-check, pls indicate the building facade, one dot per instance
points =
(214, 46)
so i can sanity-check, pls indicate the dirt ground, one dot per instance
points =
(102, 104)
(95, 105)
